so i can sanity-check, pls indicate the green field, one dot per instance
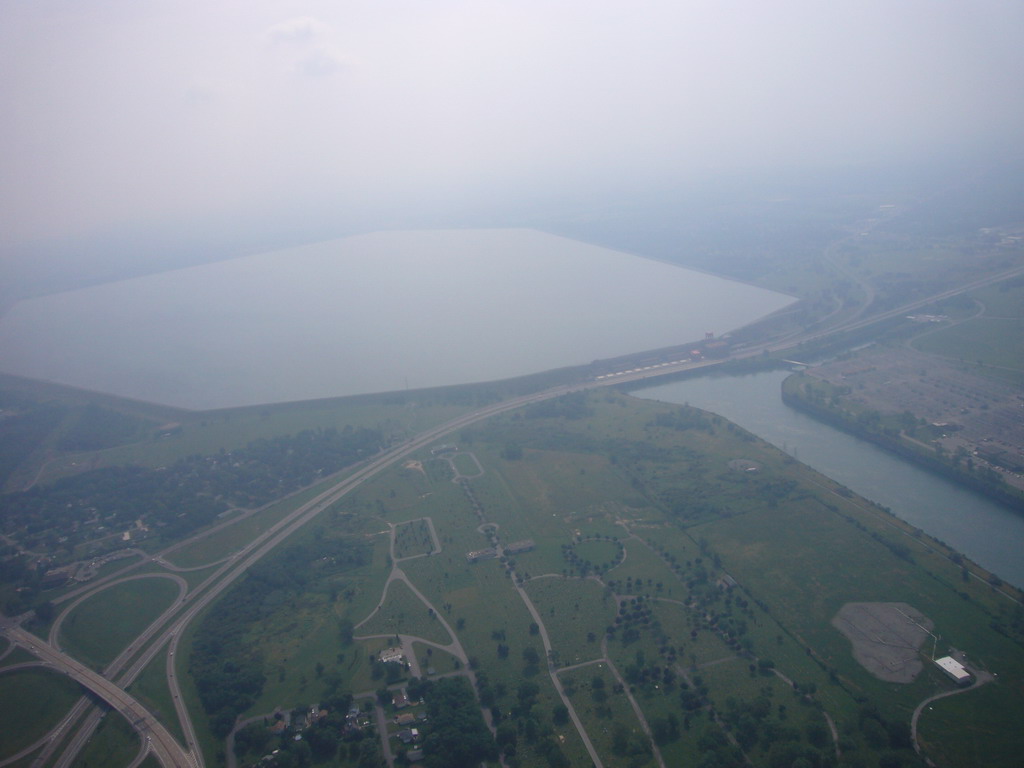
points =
(32, 701)
(16, 656)
(985, 341)
(465, 465)
(413, 538)
(608, 716)
(209, 432)
(404, 614)
(102, 626)
(990, 341)
(716, 618)
(222, 543)
(571, 609)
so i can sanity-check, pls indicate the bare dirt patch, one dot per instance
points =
(886, 638)
(744, 465)
(416, 466)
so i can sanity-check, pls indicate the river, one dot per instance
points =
(986, 532)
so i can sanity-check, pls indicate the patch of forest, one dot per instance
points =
(457, 736)
(168, 503)
(228, 670)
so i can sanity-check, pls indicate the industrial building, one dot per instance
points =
(955, 670)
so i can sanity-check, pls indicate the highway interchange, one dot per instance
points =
(167, 630)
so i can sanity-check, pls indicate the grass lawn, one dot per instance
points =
(607, 716)
(574, 611)
(32, 701)
(413, 538)
(103, 626)
(17, 656)
(222, 543)
(988, 340)
(465, 465)
(642, 570)
(962, 729)
(441, 662)
(404, 614)
(207, 433)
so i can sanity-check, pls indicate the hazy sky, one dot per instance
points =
(119, 111)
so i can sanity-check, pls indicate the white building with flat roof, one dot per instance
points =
(957, 671)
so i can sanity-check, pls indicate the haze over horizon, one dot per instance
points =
(121, 116)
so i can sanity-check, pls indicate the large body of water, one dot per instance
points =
(373, 313)
(986, 532)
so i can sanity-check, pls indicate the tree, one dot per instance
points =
(560, 714)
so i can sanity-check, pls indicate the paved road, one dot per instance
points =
(166, 749)
(546, 640)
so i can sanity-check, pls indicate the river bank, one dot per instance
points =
(798, 392)
(986, 532)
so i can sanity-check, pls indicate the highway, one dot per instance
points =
(167, 750)
(168, 629)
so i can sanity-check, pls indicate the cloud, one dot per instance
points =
(310, 49)
(301, 29)
(125, 112)
(320, 63)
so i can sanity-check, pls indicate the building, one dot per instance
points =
(409, 735)
(519, 546)
(482, 554)
(954, 670)
(392, 655)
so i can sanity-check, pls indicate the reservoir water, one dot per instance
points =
(988, 533)
(374, 313)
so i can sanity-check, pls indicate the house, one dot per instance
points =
(409, 735)
(400, 700)
(407, 718)
(392, 655)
